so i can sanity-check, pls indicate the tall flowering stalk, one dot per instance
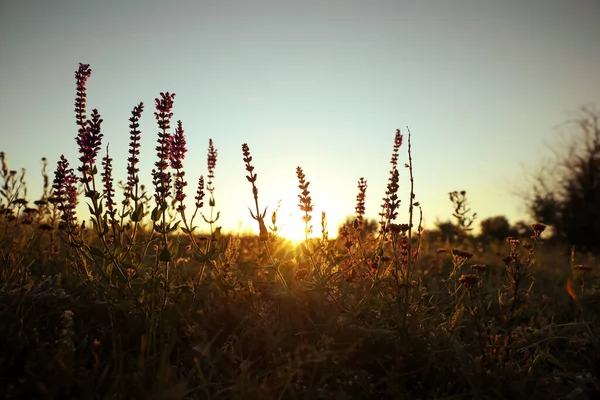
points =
(161, 177)
(305, 201)
(131, 187)
(177, 155)
(109, 190)
(211, 164)
(64, 194)
(360, 201)
(260, 217)
(81, 76)
(199, 199)
(391, 201)
(251, 177)
(89, 142)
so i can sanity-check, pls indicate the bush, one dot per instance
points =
(567, 195)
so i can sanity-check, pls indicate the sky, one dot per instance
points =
(324, 85)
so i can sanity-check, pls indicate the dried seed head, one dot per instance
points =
(461, 254)
(538, 228)
(469, 280)
(479, 269)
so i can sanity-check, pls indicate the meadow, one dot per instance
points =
(146, 298)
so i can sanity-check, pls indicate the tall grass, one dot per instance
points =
(135, 302)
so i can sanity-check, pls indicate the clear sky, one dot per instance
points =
(320, 84)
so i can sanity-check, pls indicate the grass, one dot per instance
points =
(138, 303)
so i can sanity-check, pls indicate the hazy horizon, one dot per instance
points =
(317, 84)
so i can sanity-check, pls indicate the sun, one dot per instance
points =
(292, 227)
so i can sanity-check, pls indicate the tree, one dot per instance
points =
(568, 195)
(497, 228)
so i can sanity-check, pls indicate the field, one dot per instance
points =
(148, 299)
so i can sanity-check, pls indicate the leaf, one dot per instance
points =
(156, 213)
(172, 228)
(136, 216)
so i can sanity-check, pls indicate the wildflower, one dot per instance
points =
(177, 154)
(259, 217)
(345, 233)
(391, 202)
(512, 241)
(211, 161)
(134, 152)
(200, 193)
(65, 192)
(81, 77)
(461, 254)
(161, 179)
(538, 229)
(398, 138)
(360, 200)
(469, 280)
(89, 141)
(305, 203)
(479, 269)
(109, 191)
(398, 228)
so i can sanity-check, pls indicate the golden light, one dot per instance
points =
(291, 226)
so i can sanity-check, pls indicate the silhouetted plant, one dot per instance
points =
(567, 196)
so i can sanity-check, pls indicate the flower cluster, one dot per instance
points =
(65, 192)
(305, 203)
(177, 155)
(89, 141)
(161, 178)
(200, 193)
(81, 76)
(211, 164)
(108, 191)
(134, 152)
(260, 218)
(360, 200)
(391, 202)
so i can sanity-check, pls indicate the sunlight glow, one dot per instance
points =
(292, 227)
